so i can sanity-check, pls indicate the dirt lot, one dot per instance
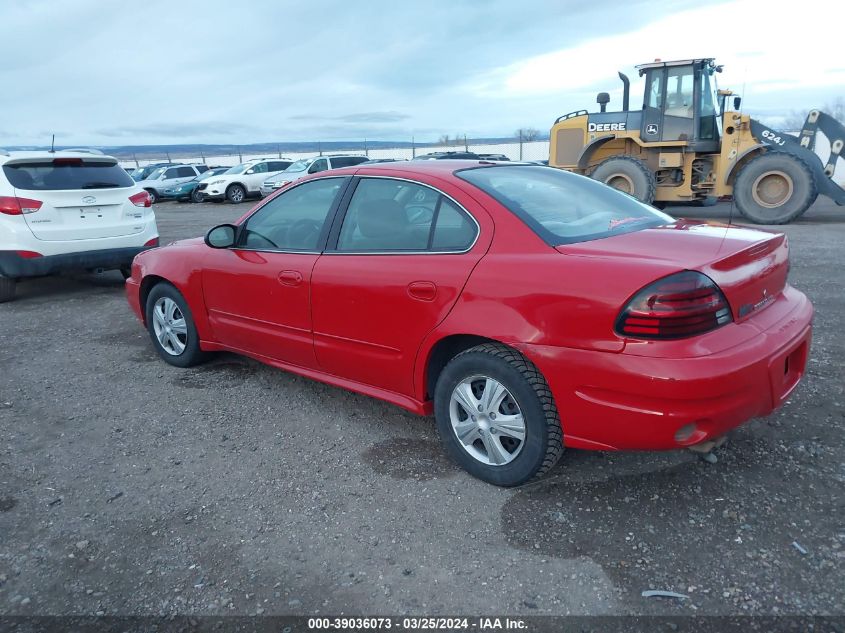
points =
(131, 487)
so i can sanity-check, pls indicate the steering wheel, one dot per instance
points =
(304, 233)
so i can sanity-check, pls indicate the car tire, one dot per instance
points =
(177, 343)
(154, 197)
(235, 194)
(629, 175)
(774, 188)
(7, 288)
(491, 452)
(196, 196)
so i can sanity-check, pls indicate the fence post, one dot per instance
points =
(279, 147)
(240, 157)
(366, 151)
(466, 145)
(520, 144)
(320, 148)
(413, 148)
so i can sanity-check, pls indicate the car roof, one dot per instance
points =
(433, 167)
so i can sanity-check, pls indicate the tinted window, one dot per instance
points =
(202, 168)
(171, 173)
(67, 175)
(347, 161)
(392, 215)
(259, 168)
(453, 230)
(186, 172)
(562, 207)
(278, 165)
(294, 220)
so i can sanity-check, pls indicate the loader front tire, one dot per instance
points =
(774, 188)
(629, 175)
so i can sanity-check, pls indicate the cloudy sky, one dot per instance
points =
(220, 71)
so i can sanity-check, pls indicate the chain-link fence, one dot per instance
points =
(526, 151)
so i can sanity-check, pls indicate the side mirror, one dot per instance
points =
(221, 236)
(250, 171)
(737, 103)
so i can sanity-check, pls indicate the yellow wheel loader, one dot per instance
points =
(690, 143)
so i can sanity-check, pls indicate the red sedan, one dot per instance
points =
(527, 308)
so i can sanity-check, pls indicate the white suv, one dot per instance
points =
(242, 181)
(168, 176)
(69, 210)
(307, 166)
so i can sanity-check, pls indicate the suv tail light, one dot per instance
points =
(677, 306)
(10, 205)
(141, 199)
(151, 243)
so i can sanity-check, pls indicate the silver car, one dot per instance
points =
(309, 166)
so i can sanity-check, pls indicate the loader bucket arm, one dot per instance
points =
(802, 146)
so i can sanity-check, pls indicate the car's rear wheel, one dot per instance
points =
(154, 197)
(171, 327)
(196, 195)
(496, 416)
(235, 194)
(7, 288)
(774, 188)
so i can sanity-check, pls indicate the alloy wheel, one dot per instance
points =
(169, 326)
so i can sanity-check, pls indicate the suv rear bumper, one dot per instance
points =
(15, 266)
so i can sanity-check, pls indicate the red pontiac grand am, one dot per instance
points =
(526, 307)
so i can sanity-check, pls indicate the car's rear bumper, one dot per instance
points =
(610, 401)
(15, 266)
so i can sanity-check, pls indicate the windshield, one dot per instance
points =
(300, 165)
(561, 207)
(238, 169)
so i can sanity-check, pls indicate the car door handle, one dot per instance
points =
(290, 278)
(422, 290)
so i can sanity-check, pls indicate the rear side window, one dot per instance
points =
(186, 172)
(64, 174)
(563, 208)
(387, 215)
(279, 165)
(347, 161)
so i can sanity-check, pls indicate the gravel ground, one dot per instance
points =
(131, 487)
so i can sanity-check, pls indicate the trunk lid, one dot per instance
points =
(81, 197)
(749, 266)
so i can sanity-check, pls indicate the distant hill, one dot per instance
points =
(129, 152)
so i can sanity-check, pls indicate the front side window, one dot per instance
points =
(653, 94)
(186, 172)
(386, 215)
(294, 220)
(171, 173)
(562, 207)
(259, 168)
(318, 165)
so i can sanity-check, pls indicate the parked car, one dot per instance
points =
(242, 181)
(66, 211)
(493, 157)
(187, 191)
(167, 177)
(141, 173)
(374, 161)
(449, 156)
(528, 308)
(307, 166)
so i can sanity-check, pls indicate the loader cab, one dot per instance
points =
(679, 103)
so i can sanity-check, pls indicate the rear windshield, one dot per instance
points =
(561, 207)
(67, 174)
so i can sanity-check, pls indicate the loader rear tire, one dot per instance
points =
(629, 175)
(774, 188)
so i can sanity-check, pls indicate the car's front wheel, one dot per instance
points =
(171, 327)
(235, 194)
(196, 195)
(496, 416)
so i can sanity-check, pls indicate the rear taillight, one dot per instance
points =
(677, 306)
(28, 254)
(141, 199)
(10, 205)
(151, 243)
